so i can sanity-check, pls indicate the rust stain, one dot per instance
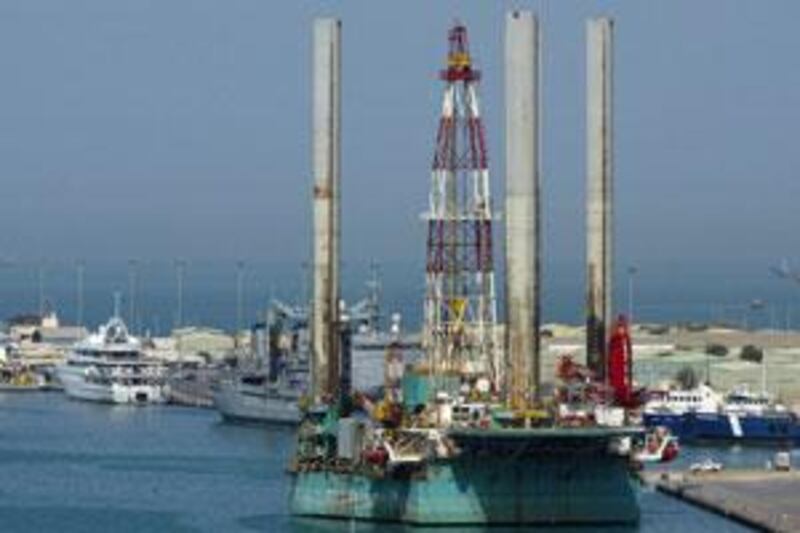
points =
(322, 192)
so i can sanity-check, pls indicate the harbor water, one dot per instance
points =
(72, 466)
(210, 292)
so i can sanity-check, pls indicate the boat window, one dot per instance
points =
(253, 380)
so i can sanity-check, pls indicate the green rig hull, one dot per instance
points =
(528, 477)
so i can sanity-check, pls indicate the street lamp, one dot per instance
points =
(80, 265)
(239, 297)
(133, 267)
(180, 271)
(632, 271)
(40, 281)
(755, 306)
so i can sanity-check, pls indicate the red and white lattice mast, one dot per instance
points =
(460, 334)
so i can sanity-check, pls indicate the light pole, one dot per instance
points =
(787, 272)
(40, 278)
(239, 297)
(304, 284)
(632, 271)
(79, 268)
(754, 307)
(133, 266)
(788, 318)
(180, 270)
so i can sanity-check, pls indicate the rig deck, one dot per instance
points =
(506, 476)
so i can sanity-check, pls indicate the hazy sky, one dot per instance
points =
(168, 128)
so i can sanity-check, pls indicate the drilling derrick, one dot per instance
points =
(459, 335)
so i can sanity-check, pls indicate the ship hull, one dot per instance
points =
(553, 485)
(236, 405)
(7, 387)
(714, 426)
(78, 387)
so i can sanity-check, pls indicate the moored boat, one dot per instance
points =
(270, 389)
(704, 414)
(109, 366)
(20, 378)
(659, 446)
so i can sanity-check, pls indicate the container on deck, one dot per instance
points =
(348, 443)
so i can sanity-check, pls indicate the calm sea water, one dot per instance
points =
(663, 293)
(71, 466)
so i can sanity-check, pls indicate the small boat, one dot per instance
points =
(20, 378)
(659, 446)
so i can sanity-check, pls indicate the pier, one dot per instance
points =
(764, 500)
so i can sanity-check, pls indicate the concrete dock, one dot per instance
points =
(764, 500)
(193, 388)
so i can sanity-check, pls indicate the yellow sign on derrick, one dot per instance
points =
(459, 60)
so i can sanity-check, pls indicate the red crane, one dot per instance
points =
(620, 363)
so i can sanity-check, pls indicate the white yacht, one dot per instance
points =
(108, 366)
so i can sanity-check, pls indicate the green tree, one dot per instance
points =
(751, 353)
(687, 377)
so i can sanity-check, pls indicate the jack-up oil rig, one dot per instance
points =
(466, 436)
